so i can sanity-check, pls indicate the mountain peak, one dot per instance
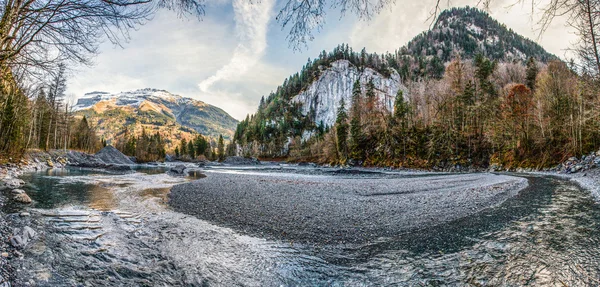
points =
(469, 31)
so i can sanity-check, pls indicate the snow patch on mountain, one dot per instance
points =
(323, 96)
(131, 98)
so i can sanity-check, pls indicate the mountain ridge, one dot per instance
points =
(119, 115)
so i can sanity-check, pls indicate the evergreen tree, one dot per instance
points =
(356, 130)
(183, 147)
(200, 144)
(531, 74)
(341, 128)
(221, 148)
(191, 150)
(400, 122)
(371, 97)
(484, 68)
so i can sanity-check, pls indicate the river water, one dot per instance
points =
(100, 229)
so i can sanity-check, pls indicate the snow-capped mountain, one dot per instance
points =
(130, 98)
(153, 110)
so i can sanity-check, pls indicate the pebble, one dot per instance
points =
(5, 254)
(24, 214)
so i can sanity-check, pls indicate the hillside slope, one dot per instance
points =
(175, 117)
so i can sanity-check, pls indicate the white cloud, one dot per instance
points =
(251, 21)
(167, 53)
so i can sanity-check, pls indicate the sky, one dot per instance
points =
(238, 52)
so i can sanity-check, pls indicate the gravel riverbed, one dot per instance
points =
(338, 209)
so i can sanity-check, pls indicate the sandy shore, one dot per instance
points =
(338, 209)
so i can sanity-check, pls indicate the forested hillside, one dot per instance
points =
(470, 92)
(468, 32)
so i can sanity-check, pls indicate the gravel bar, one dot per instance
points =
(338, 209)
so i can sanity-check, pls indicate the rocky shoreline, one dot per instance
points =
(14, 228)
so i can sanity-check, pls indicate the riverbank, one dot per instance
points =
(338, 209)
(14, 228)
(9, 179)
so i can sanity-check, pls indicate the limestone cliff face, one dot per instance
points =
(323, 96)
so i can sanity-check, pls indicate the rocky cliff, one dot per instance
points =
(323, 96)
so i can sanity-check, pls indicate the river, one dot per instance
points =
(101, 229)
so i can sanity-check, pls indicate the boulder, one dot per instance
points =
(178, 170)
(29, 233)
(22, 198)
(17, 241)
(50, 163)
(21, 238)
(18, 191)
(202, 163)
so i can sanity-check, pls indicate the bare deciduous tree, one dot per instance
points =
(37, 34)
(306, 16)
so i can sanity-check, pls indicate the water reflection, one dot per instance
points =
(150, 169)
(48, 191)
(159, 193)
(101, 198)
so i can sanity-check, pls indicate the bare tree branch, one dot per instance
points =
(41, 33)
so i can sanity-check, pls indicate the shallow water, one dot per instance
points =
(101, 229)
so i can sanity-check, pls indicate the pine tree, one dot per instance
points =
(221, 148)
(200, 144)
(401, 117)
(531, 74)
(341, 129)
(356, 129)
(183, 147)
(191, 150)
(371, 97)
